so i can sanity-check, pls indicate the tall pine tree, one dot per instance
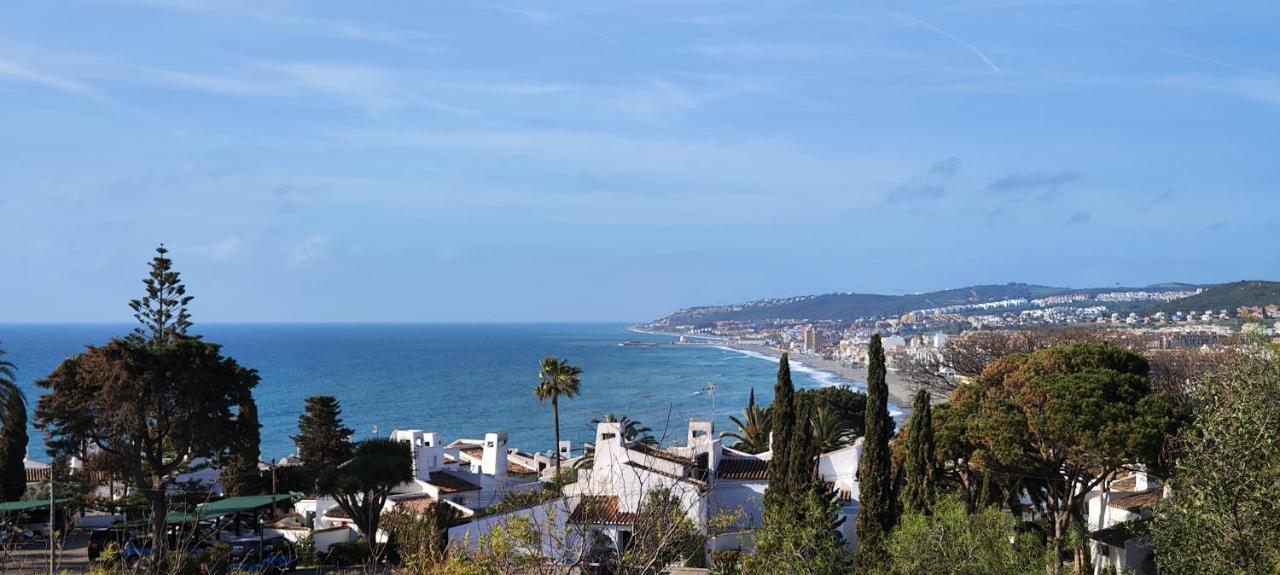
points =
(875, 473)
(918, 461)
(323, 441)
(239, 473)
(783, 415)
(799, 534)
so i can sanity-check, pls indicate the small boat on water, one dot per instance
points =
(634, 343)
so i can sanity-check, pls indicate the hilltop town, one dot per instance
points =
(1163, 317)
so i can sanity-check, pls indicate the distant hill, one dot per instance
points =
(849, 306)
(1227, 296)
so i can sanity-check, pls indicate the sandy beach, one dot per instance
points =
(900, 390)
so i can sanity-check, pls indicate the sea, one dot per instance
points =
(462, 380)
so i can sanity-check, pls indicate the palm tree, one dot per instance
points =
(753, 428)
(558, 378)
(632, 431)
(13, 434)
(831, 430)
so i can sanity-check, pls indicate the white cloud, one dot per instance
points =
(533, 89)
(1266, 91)
(223, 249)
(375, 89)
(203, 82)
(311, 250)
(656, 99)
(14, 71)
(678, 166)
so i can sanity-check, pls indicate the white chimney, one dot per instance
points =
(700, 433)
(494, 460)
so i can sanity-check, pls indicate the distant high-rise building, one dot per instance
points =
(810, 339)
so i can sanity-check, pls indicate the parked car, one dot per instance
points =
(101, 539)
(15, 535)
(135, 548)
(271, 556)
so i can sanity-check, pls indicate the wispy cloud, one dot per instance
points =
(202, 82)
(759, 50)
(659, 165)
(223, 249)
(1266, 91)
(928, 185)
(266, 13)
(310, 250)
(1040, 184)
(655, 99)
(1078, 218)
(1216, 62)
(375, 89)
(17, 72)
(972, 48)
(529, 14)
(1163, 197)
(531, 89)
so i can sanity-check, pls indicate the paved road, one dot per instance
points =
(33, 557)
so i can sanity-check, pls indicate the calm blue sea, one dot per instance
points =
(460, 380)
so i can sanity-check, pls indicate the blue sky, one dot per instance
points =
(415, 161)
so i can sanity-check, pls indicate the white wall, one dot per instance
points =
(550, 519)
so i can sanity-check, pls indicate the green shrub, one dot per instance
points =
(305, 547)
(725, 561)
(347, 554)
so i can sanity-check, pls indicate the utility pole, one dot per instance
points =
(49, 533)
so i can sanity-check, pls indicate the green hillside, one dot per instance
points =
(1228, 296)
(848, 306)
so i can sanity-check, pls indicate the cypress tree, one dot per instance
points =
(323, 441)
(783, 424)
(918, 491)
(802, 467)
(799, 533)
(875, 474)
(240, 469)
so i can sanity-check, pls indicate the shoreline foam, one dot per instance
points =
(826, 372)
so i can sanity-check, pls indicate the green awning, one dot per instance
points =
(233, 505)
(32, 505)
(178, 517)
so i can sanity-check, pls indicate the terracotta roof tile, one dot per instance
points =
(418, 503)
(1135, 501)
(1128, 483)
(742, 468)
(600, 510)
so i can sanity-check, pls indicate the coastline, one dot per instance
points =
(900, 390)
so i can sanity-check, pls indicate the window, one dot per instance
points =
(608, 436)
